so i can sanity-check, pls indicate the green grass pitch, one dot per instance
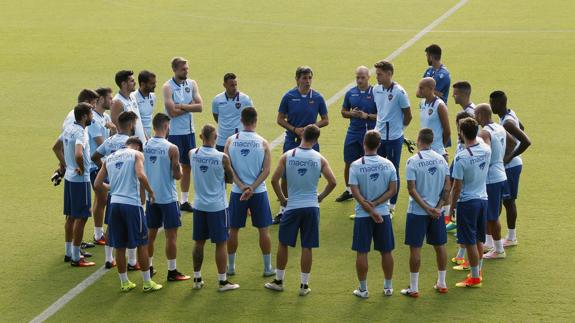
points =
(51, 49)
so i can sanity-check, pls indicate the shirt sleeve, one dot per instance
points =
(322, 107)
(457, 169)
(352, 176)
(410, 172)
(346, 104)
(403, 99)
(442, 83)
(215, 109)
(284, 105)
(249, 102)
(102, 148)
(393, 175)
(95, 130)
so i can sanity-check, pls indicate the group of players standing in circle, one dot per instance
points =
(133, 158)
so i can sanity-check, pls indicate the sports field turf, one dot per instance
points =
(52, 49)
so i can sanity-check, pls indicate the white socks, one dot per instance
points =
(123, 277)
(132, 258)
(441, 278)
(280, 274)
(171, 264)
(98, 232)
(151, 261)
(222, 277)
(414, 282)
(197, 274)
(184, 197)
(488, 241)
(348, 189)
(498, 246)
(511, 235)
(146, 275)
(305, 278)
(109, 252)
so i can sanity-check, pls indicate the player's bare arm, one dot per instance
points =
(228, 172)
(174, 154)
(329, 177)
(444, 119)
(280, 169)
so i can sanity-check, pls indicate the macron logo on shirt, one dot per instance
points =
(374, 176)
(153, 159)
(482, 166)
(244, 152)
(119, 165)
(432, 170)
(302, 171)
(204, 168)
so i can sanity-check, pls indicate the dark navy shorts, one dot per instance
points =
(166, 215)
(353, 147)
(292, 142)
(471, 221)
(365, 230)
(77, 199)
(418, 227)
(513, 175)
(259, 206)
(211, 225)
(391, 149)
(495, 193)
(185, 143)
(127, 226)
(304, 220)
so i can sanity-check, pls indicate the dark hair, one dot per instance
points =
(207, 131)
(425, 136)
(469, 128)
(135, 141)
(177, 61)
(498, 96)
(159, 120)
(311, 133)
(145, 76)
(434, 51)
(462, 115)
(123, 76)
(463, 86)
(301, 70)
(372, 139)
(87, 95)
(125, 118)
(103, 91)
(81, 110)
(229, 76)
(249, 115)
(384, 66)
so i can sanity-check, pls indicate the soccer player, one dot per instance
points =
(227, 108)
(429, 185)
(85, 96)
(298, 108)
(302, 167)
(437, 71)
(127, 228)
(99, 131)
(513, 163)
(433, 115)
(496, 137)
(393, 115)
(212, 170)
(373, 181)
(163, 169)
(359, 107)
(462, 96)
(145, 99)
(182, 98)
(124, 102)
(470, 168)
(250, 158)
(126, 128)
(77, 191)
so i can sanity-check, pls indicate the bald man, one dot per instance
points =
(433, 115)
(359, 107)
(502, 146)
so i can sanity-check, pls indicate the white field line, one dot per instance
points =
(94, 277)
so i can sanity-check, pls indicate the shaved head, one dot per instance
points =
(483, 114)
(425, 89)
(363, 70)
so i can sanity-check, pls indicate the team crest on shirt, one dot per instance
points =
(244, 152)
(302, 171)
(188, 90)
(430, 111)
(119, 165)
(152, 103)
(311, 101)
(153, 159)
(390, 96)
(204, 168)
(432, 170)
(482, 166)
(374, 176)
(238, 105)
